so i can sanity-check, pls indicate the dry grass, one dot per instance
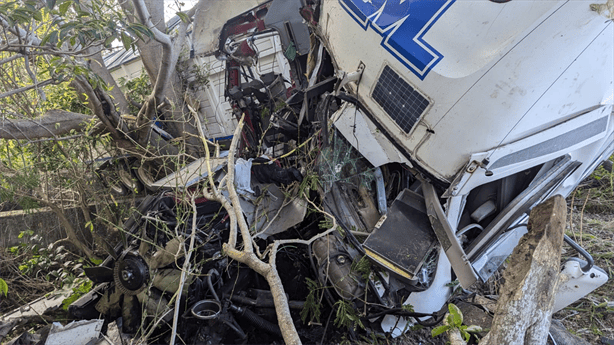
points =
(22, 288)
(590, 317)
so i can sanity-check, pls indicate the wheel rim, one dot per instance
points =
(128, 180)
(114, 185)
(145, 177)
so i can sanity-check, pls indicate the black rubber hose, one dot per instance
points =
(235, 328)
(589, 259)
(257, 320)
(400, 312)
(436, 317)
(210, 284)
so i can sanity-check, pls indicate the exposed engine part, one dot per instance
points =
(210, 274)
(131, 274)
(263, 299)
(83, 308)
(266, 171)
(110, 302)
(162, 258)
(206, 309)
(256, 320)
(335, 264)
(484, 210)
(168, 280)
(131, 314)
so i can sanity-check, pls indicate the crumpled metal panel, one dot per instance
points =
(76, 333)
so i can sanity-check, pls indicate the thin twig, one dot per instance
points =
(186, 268)
(582, 214)
(573, 196)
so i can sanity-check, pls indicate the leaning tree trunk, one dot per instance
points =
(159, 58)
(524, 309)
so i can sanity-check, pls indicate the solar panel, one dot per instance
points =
(402, 102)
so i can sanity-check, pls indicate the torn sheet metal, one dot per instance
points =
(364, 136)
(75, 333)
(38, 306)
(285, 17)
(271, 212)
(192, 173)
(404, 239)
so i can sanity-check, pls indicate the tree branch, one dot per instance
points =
(166, 65)
(29, 87)
(53, 123)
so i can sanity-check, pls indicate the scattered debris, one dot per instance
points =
(40, 306)
(76, 332)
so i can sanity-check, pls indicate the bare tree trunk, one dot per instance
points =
(524, 309)
(160, 56)
(149, 49)
(98, 67)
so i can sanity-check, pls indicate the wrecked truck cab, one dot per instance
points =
(494, 106)
(489, 108)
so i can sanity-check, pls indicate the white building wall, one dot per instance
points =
(216, 112)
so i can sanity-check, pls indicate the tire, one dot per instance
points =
(131, 182)
(146, 178)
(111, 181)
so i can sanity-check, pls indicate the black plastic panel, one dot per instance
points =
(405, 238)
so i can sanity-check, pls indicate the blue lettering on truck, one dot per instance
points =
(402, 24)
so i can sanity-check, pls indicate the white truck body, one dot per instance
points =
(493, 74)
(471, 93)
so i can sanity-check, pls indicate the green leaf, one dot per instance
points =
(64, 32)
(439, 330)
(37, 15)
(126, 40)
(140, 30)
(52, 38)
(408, 308)
(457, 315)
(22, 16)
(4, 287)
(50, 4)
(30, 7)
(109, 40)
(64, 7)
(184, 17)
(465, 335)
(96, 261)
(69, 25)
